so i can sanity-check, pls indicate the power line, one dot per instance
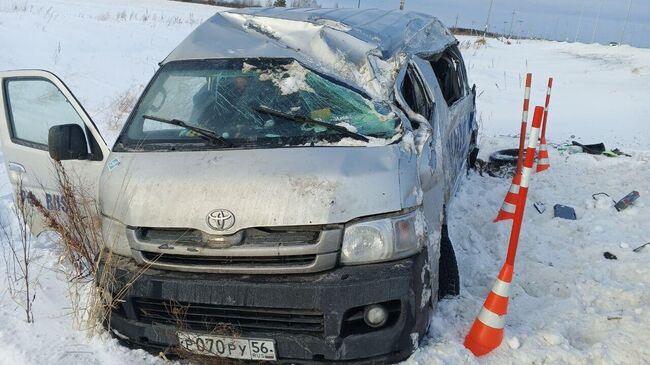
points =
(629, 5)
(600, 8)
(487, 21)
(582, 10)
(512, 21)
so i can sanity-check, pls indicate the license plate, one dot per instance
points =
(230, 347)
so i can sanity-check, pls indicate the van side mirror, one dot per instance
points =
(67, 142)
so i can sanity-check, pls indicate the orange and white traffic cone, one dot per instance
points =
(543, 162)
(487, 331)
(509, 205)
(507, 210)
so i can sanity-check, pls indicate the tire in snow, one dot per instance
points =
(506, 157)
(448, 279)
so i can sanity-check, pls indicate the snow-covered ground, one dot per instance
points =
(564, 290)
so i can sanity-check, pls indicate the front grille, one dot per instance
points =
(231, 261)
(251, 236)
(286, 250)
(208, 317)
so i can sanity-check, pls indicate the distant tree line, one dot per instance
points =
(305, 4)
(258, 3)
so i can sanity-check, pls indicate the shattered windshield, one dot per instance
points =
(232, 99)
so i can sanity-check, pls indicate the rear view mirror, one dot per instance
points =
(67, 142)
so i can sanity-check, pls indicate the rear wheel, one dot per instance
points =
(448, 278)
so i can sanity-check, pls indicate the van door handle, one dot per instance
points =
(16, 167)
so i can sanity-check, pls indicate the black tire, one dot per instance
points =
(504, 157)
(448, 278)
(503, 163)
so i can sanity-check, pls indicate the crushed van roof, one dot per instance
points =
(360, 47)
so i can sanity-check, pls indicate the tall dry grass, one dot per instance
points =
(93, 289)
(16, 246)
(78, 225)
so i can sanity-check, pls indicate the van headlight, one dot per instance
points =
(383, 239)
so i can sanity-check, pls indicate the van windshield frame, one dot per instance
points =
(222, 96)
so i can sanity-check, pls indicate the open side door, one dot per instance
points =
(32, 102)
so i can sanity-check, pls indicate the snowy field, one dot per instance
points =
(564, 290)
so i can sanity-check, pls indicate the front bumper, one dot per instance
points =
(332, 296)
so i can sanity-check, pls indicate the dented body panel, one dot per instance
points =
(363, 48)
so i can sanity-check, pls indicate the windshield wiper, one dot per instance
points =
(302, 119)
(205, 133)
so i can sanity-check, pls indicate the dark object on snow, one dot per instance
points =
(620, 153)
(599, 149)
(627, 200)
(615, 153)
(605, 194)
(541, 208)
(562, 211)
(506, 157)
(638, 249)
(610, 256)
(502, 163)
(594, 149)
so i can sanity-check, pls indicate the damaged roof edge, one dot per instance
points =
(358, 47)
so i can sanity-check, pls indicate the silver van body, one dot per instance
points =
(298, 241)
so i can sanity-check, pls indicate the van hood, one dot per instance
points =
(261, 187)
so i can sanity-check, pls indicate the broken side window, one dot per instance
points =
(451, 76)
(414, 94)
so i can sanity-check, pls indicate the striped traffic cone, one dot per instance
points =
(507, 210)
(487, 331)
(509, 205)
(543, 162)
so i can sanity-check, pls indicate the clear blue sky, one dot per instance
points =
(553, 19)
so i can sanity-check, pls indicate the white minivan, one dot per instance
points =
(288, 174)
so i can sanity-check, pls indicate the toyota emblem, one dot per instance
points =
(220, 219)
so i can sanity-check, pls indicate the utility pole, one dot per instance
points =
(600, 8)
(359, 4)
(627, 17)
(582, 10)
(456, 24)
(487, 21)
(512, 21)
(401, 4)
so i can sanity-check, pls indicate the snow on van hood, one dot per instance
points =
(261, 187)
